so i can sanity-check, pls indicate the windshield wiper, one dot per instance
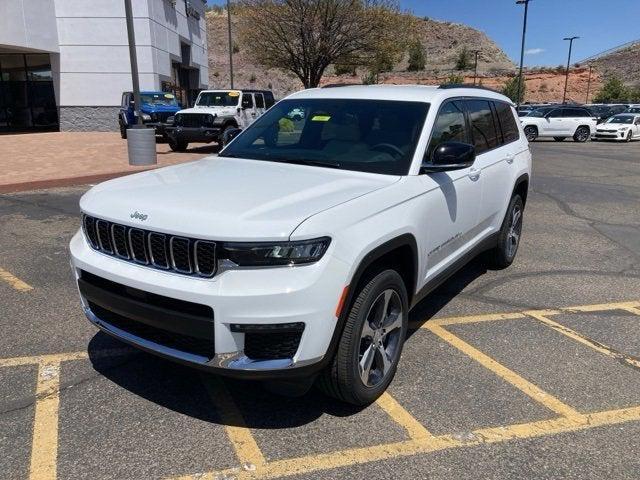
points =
(304, 161)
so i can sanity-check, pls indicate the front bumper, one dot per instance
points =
(194, 134)
(244, 297)
(610, 135)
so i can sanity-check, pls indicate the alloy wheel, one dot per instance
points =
(515, 229)
(380, 338)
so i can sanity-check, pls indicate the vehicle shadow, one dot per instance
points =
(197, 394)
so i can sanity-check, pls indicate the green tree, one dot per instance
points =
(612, 90)
(510, 88)
(417, 59)
(464, 61)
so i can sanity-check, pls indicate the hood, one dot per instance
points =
(228, 199)
(150, 108)
(220, 111)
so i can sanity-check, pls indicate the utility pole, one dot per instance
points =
(566, 79)
(230, 43)
(524, 34)
(588, 83)
(134, 61)
(475, 68)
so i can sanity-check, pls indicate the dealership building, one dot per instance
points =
(65, 63)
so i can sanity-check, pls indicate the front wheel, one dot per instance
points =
(123, 130)
(531, 133)
(371, 343)
(177, 145)
(629, 136)
(582, 134)
(509, 236)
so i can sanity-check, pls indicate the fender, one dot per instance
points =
(224, 120)
(522, 179)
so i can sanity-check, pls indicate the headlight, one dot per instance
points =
(145, 117)
(622, 129)
(276, 253)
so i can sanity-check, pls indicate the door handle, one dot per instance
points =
(510, 158)
(474, 174)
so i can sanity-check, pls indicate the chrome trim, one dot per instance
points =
(100, 239)
(133, 253)
(164, 244)
(173, 262)
(215, 258)
(113, 241)
(231, 361)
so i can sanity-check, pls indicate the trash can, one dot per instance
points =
(141, 143)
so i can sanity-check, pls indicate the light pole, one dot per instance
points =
(230, 45)
(566, 79)
(524, 33)
(134, 61)
(475, 68)
(588, 83)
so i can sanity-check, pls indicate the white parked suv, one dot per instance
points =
(559, 122)
(297, 253)
(215, 113)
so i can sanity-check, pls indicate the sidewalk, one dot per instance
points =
(43, 160)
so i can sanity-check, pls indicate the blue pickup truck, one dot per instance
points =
(155, 109)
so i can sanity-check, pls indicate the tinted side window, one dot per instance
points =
(572, 112)
(509, 126)
(450, 126)
(268, 99)
(483, 129)
(259, 100)
(247, 100)
(556, 113)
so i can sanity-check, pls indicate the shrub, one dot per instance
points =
(344, 69)
(371, 78)
(612, 90)
(510, 89)
(454, 79)
(236, 47)
(252, 78)
(463, 62)
(416, 57)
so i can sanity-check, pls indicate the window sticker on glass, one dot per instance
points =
(169, 95)
(234, 94)
(320, 118)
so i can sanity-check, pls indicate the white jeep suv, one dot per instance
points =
(298, 252)
(559, 122)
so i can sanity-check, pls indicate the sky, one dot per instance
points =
(600, 24)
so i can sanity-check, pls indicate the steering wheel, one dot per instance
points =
(388, 146)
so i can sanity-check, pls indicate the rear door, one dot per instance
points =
(555, 124)
(248, 111)
(259, 102)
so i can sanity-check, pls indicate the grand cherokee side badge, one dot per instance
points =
(140, 216)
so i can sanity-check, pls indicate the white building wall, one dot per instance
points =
(28, 25)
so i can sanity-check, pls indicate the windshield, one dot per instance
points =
(158, 99)
(620, 119)
(218, 99)
(375, 136)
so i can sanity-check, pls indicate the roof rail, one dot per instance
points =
(446, 86)
(335, 85)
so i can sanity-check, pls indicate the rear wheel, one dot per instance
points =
(531, 133)
(123, 129)
(582, 134)
(509, 237)
(369, 350)
(559, 139)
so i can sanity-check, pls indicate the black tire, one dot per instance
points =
(582, 134)
(559, 139)
(123, 129)
(221, 141)
(505, 252)
(531, 133)
(629, 137)
(178, 145)
(342, 378)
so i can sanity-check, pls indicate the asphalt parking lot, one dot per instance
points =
(531, 372)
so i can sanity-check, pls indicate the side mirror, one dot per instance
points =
(450, 156)
(229, 135)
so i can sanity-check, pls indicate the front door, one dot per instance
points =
(452, 199)
(248, 110)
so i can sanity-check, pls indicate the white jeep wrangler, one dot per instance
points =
(215, 113)
(296, 254)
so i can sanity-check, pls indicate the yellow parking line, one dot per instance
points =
(44, 449)
(14, 281)
(397, 412)
(510, 376)
(490, 317)
(597, 346)
(63, 357)
(633, 310)
(244, 444)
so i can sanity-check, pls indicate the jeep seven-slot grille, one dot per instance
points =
(193, 120)
(186, 256)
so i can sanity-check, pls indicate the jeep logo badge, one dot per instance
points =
(140, 216)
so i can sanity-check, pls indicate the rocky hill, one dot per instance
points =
(624, 64)
(442, 43)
